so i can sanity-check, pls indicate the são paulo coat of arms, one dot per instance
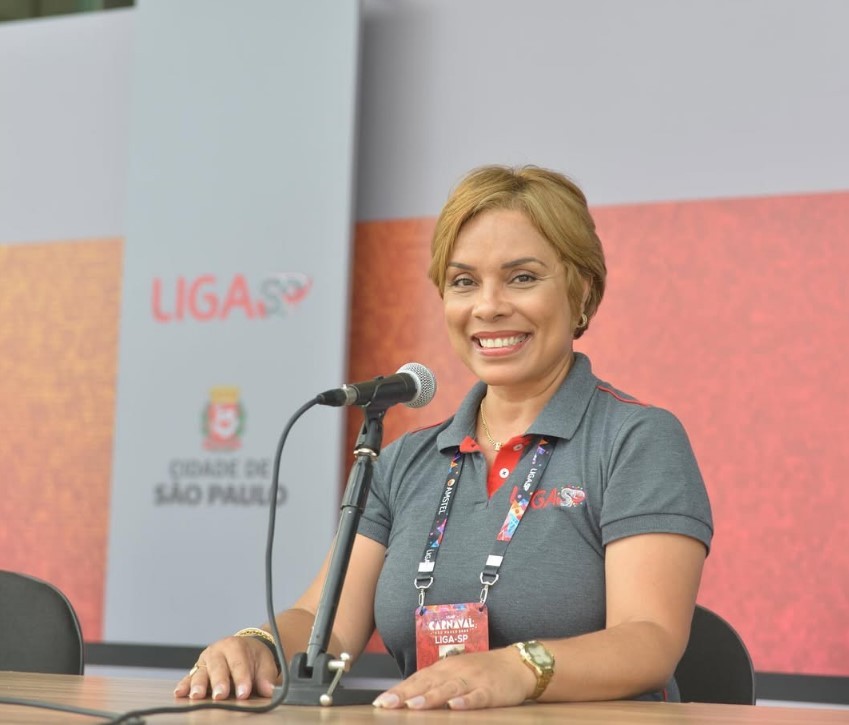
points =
(223, 420)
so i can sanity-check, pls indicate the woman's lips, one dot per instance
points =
(500, 342)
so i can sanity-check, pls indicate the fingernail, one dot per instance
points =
(386, 699)
(197, 691)
(242, 691)
(415, 702)
(457, 703)
(218, 692)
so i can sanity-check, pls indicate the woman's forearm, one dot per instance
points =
(621, 662)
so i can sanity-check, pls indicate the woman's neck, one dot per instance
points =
(510, 410)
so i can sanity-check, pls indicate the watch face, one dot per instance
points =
(539, 654)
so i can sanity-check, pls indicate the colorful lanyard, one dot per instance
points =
(518, 506)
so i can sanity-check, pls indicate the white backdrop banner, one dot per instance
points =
(234, 309)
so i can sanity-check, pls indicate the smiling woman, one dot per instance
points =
(552, 204)
(592, 599)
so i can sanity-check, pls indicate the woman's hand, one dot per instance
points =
(472, 681)
(241, 666)
(244, 663)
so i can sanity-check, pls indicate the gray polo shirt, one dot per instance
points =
(619, 468)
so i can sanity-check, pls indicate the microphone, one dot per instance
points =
(413, 385)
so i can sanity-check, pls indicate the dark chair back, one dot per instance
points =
(716, 666)
(39, 629)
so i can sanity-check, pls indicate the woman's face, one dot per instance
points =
(506, 303)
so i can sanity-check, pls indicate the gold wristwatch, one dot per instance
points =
(540, 659)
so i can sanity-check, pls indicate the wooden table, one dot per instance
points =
(122, 694)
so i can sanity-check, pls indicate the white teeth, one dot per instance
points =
(491, 342)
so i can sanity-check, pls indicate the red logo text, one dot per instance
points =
(208, 297)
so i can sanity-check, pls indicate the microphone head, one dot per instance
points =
(425, 384)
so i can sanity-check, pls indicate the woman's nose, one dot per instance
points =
(491, 302)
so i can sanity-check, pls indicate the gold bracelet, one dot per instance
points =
(255, 632)
(265, 638)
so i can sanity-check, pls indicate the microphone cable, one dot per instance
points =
(136, 717)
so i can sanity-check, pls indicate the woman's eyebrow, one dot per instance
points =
(522, 260)
(507, 265)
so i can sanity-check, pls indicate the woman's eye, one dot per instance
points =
(461, 282)
(524, 278)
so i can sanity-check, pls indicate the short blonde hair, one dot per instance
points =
(552, 203)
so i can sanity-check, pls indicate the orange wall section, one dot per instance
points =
(59, 311)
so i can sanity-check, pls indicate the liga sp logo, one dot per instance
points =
(223, 420)
(207, 297)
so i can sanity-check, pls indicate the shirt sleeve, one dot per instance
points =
(653, 483)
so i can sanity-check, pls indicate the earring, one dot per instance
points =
(583, 321)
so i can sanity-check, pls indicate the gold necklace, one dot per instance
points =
(494, 443)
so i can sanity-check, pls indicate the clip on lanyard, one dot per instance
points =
(518, 507)
(424, 576)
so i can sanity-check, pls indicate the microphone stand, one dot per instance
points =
(314, 675)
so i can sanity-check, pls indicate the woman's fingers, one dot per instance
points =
(456, 689)
(266, 674)
(235, 666)
(195, 683)
(218, 668)
(464, 682)
(251, 668)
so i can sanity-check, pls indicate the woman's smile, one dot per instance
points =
(500, 343)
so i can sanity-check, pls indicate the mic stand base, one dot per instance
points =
(321, 686)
